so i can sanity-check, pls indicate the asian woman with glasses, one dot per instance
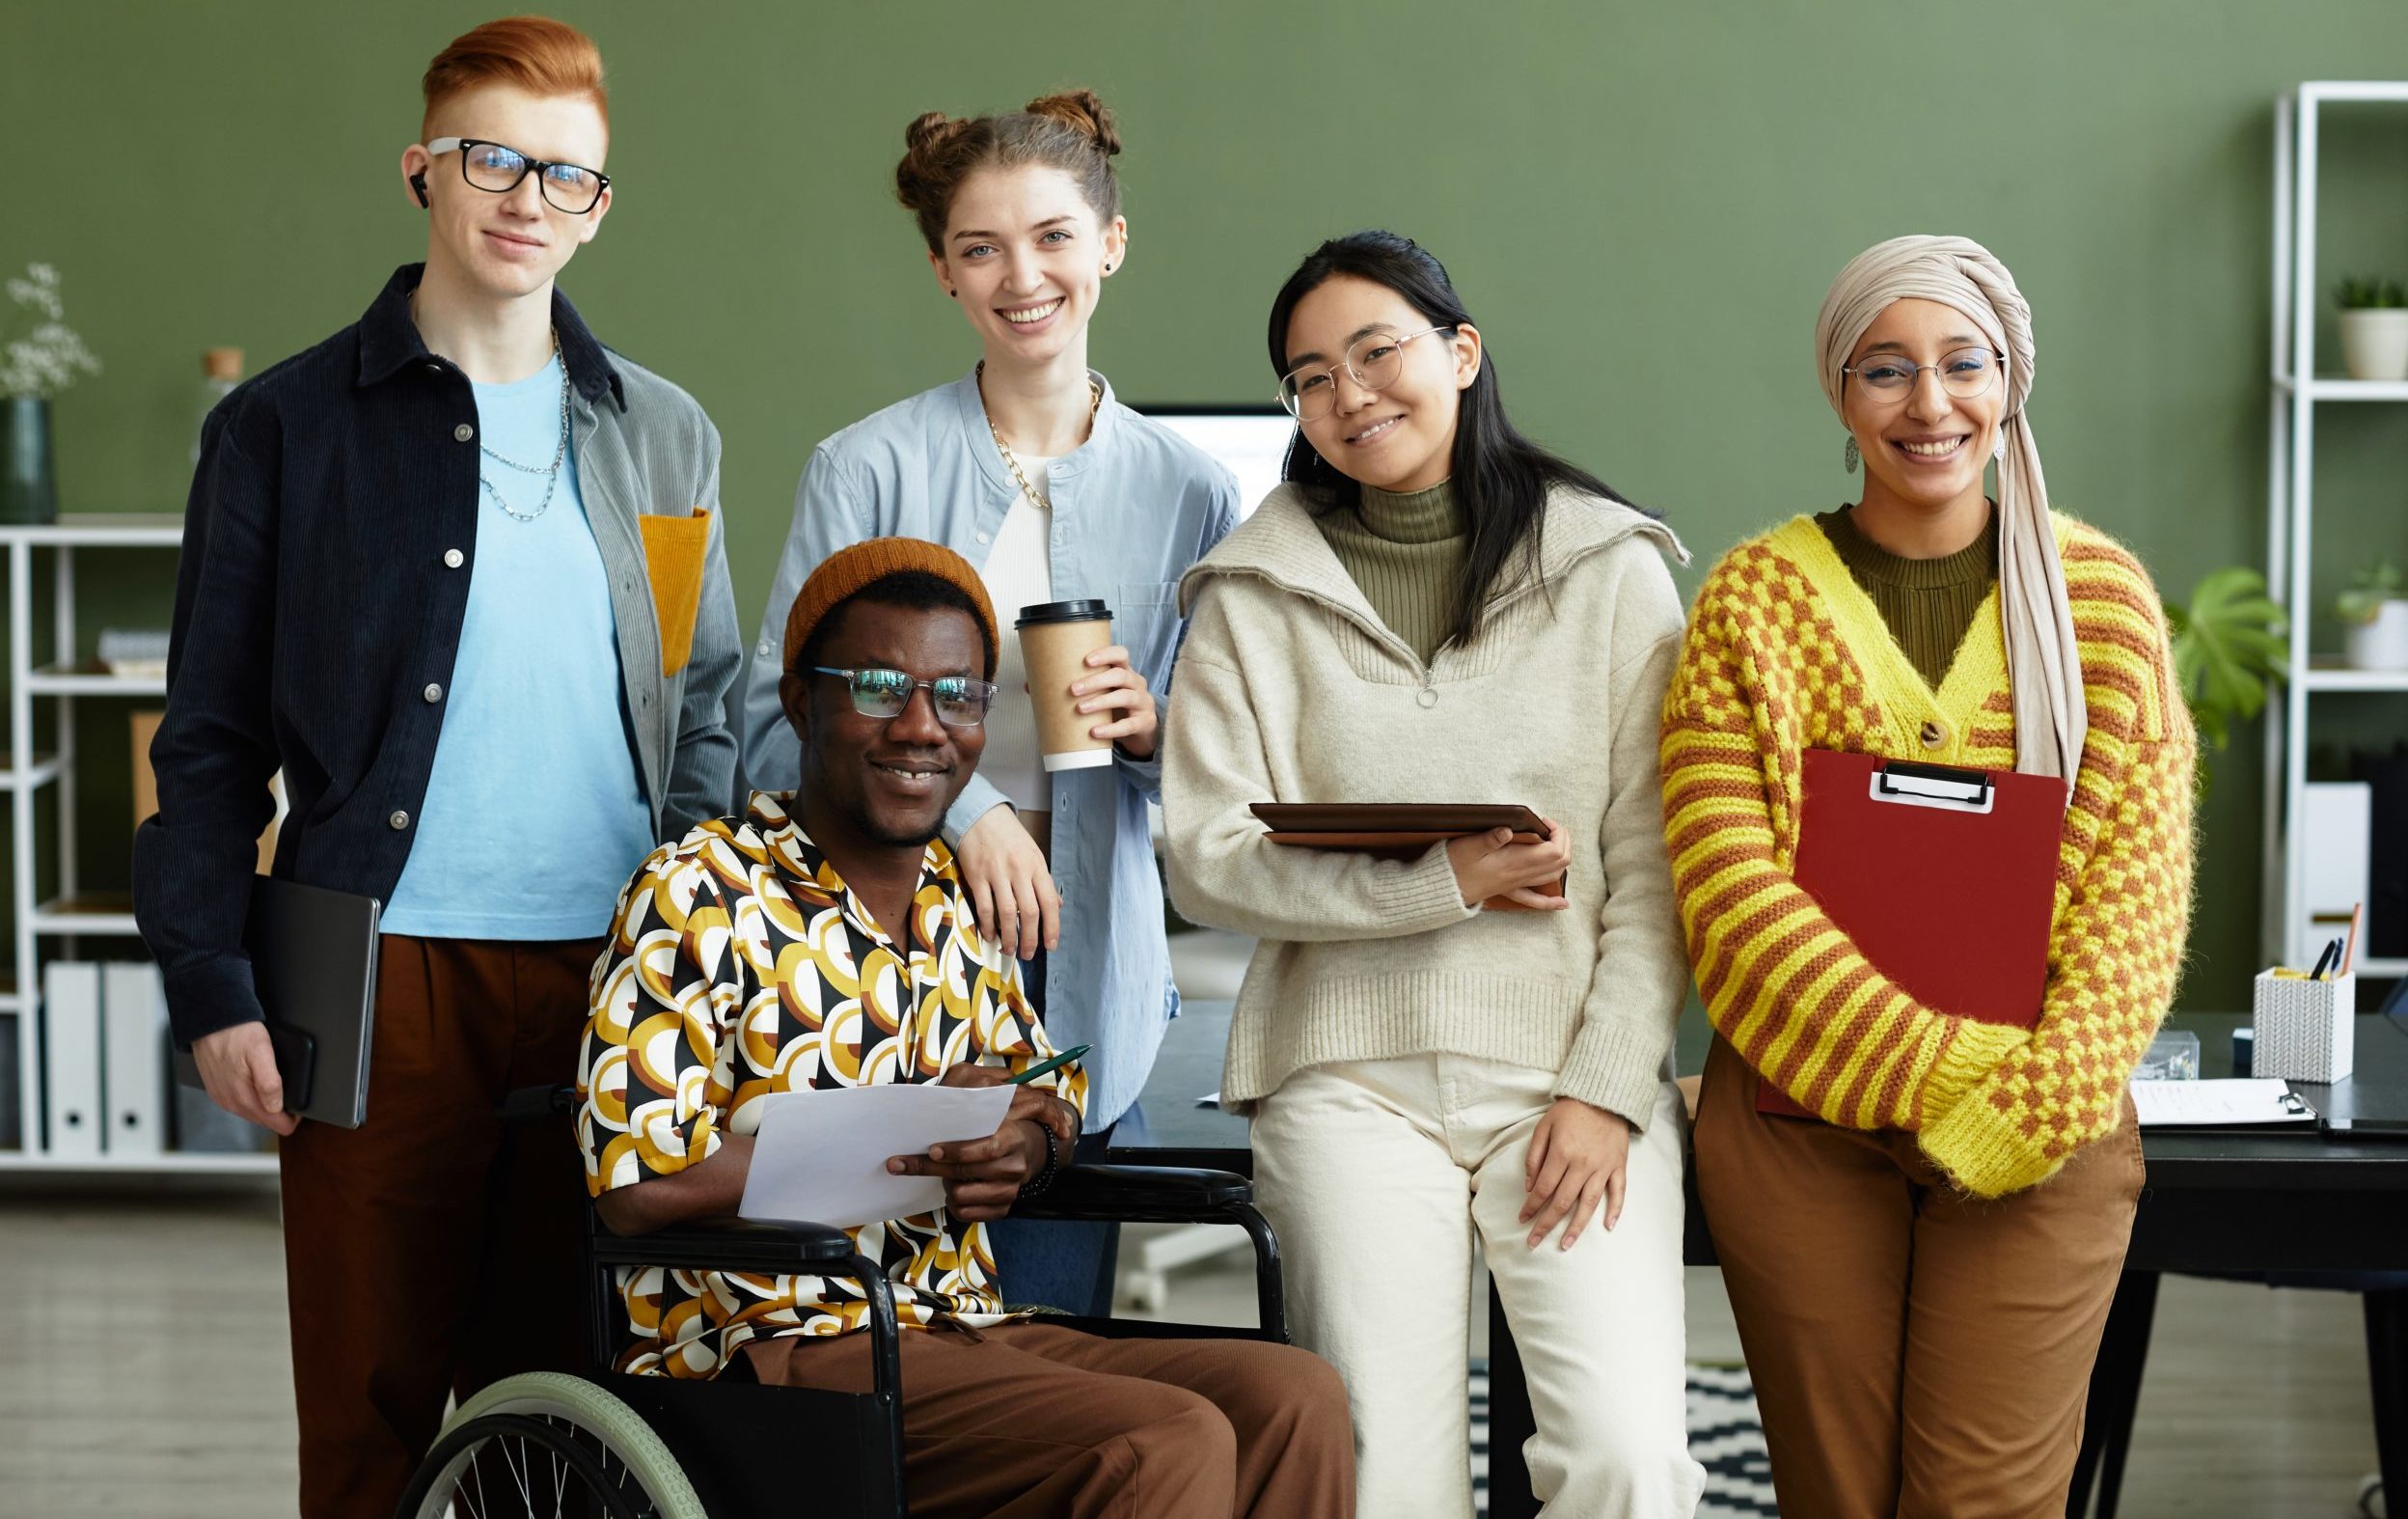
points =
(1921, 1246)
(1032, 470)
(1473, 1043)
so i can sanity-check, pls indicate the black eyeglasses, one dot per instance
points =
(960, 701)
(496, 169)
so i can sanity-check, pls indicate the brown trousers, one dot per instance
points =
(431, 1251)
(1029, 1420)
(1918, 1353)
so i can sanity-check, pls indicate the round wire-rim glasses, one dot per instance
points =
(1965, 374)
(579, 190)
(1373, 361)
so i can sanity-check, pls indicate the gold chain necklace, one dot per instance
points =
(1095, 403)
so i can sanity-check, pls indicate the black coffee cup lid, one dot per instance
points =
(1064, 612)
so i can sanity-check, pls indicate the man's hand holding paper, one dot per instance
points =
(983, 1176)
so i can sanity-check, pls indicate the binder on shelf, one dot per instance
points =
(134, 1029)
(2337, 819)
(204, 1128)
(71, 1058)
(1944, 879)
(13, 1135)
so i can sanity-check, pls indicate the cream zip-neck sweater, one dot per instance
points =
(1292, 689)
(1407, 553)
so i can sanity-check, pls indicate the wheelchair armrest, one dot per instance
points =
(728, 1245)
(1139, 1195)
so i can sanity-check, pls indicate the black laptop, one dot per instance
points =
(313, 959)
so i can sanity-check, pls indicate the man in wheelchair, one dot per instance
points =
(825, 940)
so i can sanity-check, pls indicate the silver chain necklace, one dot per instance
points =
(1095, 403)
(558, 454)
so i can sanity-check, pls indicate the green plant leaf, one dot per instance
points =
(2370, 588)
(2228, 650)
(2354, 293)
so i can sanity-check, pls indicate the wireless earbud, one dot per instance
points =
(417, 183)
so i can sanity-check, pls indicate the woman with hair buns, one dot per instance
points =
(1029, 468)
(1922, 1269)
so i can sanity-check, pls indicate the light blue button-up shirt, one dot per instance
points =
(1134, 507)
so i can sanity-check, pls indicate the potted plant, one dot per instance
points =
(35, 366)
(2376, 616)
(2374, 329)
(2228, 650)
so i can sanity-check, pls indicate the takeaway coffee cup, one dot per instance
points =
(1055, 640)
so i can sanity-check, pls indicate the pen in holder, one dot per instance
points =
(2303, 1029)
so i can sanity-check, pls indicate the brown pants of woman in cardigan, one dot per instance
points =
(1918, 1353)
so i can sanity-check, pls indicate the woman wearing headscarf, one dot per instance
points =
(1921, 1270)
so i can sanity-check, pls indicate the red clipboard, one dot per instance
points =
(1944, 879)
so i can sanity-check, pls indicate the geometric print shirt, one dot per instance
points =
(740, 965)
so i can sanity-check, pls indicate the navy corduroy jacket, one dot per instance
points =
(328, 547)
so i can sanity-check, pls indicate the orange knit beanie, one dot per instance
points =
(848, 572)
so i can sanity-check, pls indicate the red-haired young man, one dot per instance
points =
(457, 572)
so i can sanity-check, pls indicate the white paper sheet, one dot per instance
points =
(2220, 1104)
(821, 1156)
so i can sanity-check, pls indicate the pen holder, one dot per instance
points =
(2303, 1029)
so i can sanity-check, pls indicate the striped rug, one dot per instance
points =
(1724, 1435)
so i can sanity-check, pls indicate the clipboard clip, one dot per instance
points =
(1940, 786)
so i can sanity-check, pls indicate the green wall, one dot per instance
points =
(1642, 204)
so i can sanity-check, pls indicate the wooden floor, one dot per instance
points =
(143, 1370)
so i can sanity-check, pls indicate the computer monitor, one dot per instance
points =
(1251, 440)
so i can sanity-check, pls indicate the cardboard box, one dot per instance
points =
(145, 784)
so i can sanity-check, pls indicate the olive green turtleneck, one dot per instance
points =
(1407, 555)
(1927, 604)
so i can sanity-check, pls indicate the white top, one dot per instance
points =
(1019, 572)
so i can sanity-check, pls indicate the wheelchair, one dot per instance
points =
(613, 1446)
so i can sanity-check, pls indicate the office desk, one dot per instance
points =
(2279, 1200)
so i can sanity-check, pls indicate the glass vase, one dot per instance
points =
(29, 484)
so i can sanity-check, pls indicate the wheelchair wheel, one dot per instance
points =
(553, 1445)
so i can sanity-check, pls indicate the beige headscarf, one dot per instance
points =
(2043, 665)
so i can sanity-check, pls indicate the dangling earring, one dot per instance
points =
(1998, 445)
(1848, 455)
(956, 294)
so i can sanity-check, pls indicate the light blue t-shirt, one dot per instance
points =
(534, 812)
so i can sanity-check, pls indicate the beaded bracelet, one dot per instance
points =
(1044, 1178)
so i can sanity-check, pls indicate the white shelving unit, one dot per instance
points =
(2290, 492)
(41, 924)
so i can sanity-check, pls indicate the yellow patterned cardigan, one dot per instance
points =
(1784, 652)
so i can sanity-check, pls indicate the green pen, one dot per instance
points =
(1047, 1068)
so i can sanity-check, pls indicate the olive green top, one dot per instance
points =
(1927, 604)
(1406, 554)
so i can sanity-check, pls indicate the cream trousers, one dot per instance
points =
(1379, 1174)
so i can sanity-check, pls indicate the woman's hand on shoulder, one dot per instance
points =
(1493, 865)
(1579, 1157)
(1009, 885)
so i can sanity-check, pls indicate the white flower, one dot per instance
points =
(49, 357)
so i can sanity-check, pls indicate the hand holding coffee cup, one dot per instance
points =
(1075, 672)
(1118, 689)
